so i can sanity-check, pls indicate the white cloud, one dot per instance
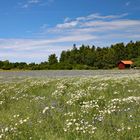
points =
(98, 16)
(95, 25)
(67, 25)
(114, 24)
(29, 3)
(32, 44)
(92, 29)
(93, 20)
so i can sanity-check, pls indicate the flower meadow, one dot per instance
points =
(70, 108)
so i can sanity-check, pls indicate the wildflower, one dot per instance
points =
(128, 128)
(65, 129)
(74, 120)
(77, 128)
(1, 102)
(16, 124)
(45, 109)
(6, 129)
(84, 131)
(1, 136)
(21, 121)
(118, 130)
(70, 123)
(25, 120)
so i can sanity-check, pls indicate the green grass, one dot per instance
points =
(70, 109)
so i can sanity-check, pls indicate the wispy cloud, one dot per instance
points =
(92, 29)
(93, 20)
(32, 44)
(37, 49)
(67, 25)
(30, 50)
(30, 3)
(98, 16)
(95, 25)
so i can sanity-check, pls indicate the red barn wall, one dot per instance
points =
(121, 66)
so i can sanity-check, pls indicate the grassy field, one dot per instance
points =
(92, 108)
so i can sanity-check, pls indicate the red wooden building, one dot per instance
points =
(123, 64)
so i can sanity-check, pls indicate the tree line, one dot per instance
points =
(84, 57)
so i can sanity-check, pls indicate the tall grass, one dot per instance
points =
(70, 109)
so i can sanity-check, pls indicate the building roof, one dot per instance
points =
(127, 62)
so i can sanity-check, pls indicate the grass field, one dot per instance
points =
(92, 108)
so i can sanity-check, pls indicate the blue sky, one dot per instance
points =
(31, 30)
